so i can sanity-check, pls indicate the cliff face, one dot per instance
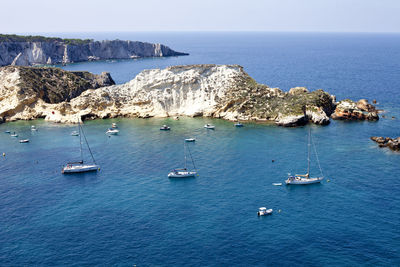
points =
(224, 91)
(56, 51)
(24, 91)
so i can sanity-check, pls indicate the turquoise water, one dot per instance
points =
(131, 213)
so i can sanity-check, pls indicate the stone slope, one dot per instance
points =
(33, 50)
(24, 88)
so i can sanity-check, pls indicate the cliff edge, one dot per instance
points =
(39, 50)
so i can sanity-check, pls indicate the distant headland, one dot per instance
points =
(40, 50)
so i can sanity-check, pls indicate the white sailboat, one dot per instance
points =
(81, 166)
(303, 179)
(184, 172)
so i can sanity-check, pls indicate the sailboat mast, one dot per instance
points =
(308, 148)
(184, 149)
(80, 139)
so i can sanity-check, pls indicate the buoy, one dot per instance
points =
(328, 181)
(279, 211)
(4, 154)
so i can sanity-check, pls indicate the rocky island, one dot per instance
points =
(219, 91)
(392, 143)
(39, 50)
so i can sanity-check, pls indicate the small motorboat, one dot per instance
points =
(24, 141)
(263, 211)
(277, 184)
(114, 125)
(75, 133)
(165, 128)
(112, 131)
(33, 128)
(14, 135)
(209, 126)
(8, 131)
(238, 124)
(176, 118)
(190, 140)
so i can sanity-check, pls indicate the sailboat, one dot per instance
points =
(81, 166)
(184, 172)
(302, 179)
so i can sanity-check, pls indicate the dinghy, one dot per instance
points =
(14, 135)
(209, 126)
(238, 124)
(75, 133)
(24, 141)
(190, 140)
(33, 128)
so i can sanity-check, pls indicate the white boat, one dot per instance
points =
(81, 166)
(14, 135)
(24, 141)
(209, 126)
(238, 124)
(277, 184)
(303, 179)
(8, 131)
(74, 167)
(165, 128)
(114, 125)
(112, 131)
(74, 133)
(33, 128)
(263, 211)
(190, 140)
(184, 172)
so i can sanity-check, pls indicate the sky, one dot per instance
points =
(25, 16)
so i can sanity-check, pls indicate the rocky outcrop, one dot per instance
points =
(350, 110)
(225, 91)
(33, 50)
(392, 143)
(219, 91)
(25, 90)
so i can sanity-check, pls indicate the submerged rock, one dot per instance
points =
(392, 143)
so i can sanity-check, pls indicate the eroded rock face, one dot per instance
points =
(392, 143)
(23, 90)
(350, 110)
(57, 50)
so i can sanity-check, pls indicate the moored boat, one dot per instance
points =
(112, 131)
(24, 141)
(238, 124)
(184, 172)
(209, 126)
(304, 179)
(165, 128)
(14, 135)
(190, 140)
(74, 133)
(33, 128)
(81, 166)
(263, 211)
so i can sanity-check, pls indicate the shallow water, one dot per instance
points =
(131, 213)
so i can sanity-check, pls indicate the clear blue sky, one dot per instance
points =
(26, 16)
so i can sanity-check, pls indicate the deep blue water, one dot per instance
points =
(131, 213)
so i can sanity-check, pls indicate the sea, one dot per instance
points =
(131, 214)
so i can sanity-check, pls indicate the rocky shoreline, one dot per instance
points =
(392, 143)
(40, 50)
(219, 91)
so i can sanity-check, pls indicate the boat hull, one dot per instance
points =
(80, 168)
(181, 174)
(303, 181)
